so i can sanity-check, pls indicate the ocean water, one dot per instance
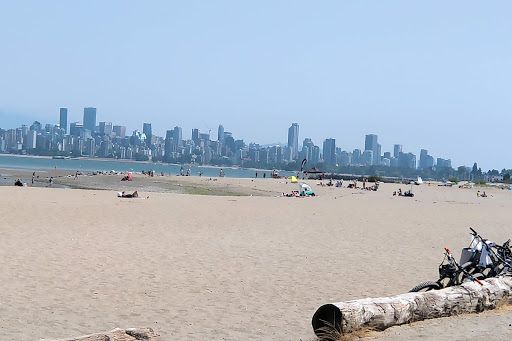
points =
(39, 164)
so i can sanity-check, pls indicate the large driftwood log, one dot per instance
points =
(384, 312)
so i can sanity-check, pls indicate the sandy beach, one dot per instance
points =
(241, 263)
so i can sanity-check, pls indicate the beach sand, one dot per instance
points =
(237, 267)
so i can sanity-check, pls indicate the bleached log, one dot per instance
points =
(384, 312)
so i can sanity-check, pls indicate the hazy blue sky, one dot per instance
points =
(434, 75)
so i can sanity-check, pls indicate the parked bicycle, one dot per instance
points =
(451, 273)
(487, 257)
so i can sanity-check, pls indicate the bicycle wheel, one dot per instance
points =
(426, 286)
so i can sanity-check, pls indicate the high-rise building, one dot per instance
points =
(397, 150)
(120, 131)
(177, 136)
(76, 128)
(195, 136)
(64, 119)
(293, 140)
(204, 136)
(30, 139)
(407, 160)
(426, 161)
(356, 157)
(90, 119)
(315, 158)
(443, 163)
(330, 151)
(105, 128)
(220, 133)
(370, 143)
(367, 158)
(146, 129)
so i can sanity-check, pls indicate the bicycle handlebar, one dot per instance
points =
(474, 232)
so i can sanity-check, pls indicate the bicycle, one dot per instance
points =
(489, 258)
(450, 274)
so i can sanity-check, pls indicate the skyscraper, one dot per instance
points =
(220, 133)
(195, 136)
(370, 143)
(64, 119)
(90, 119)
(177, 136)
(330, 151)
(293, 140)
(146, 129)
(397, 150)
(426, 161)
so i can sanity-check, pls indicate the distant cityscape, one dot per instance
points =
(105, 140)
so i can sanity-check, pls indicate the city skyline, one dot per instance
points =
(426, 75)
(331, 154)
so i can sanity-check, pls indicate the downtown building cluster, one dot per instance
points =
(105, 140)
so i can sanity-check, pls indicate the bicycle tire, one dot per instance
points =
(426, 286)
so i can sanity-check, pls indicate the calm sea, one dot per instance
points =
(34, 164)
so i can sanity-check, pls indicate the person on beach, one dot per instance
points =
(76, 175)
(18, 183)
(256, 174)
(51, 180)
(132, 195)
(128, 195)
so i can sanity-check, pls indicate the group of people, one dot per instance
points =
(405, 194)
(483, 195)
(20, 183)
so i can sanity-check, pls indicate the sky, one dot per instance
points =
(430, 75)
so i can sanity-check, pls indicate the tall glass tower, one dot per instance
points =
(220, 133)
(370, 143)
(90, 119)
(293, 140)
(64, 119)
(146, 129)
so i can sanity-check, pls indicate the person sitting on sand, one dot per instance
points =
(18, 183)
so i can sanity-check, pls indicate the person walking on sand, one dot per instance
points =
(51, 180)
(76, 175)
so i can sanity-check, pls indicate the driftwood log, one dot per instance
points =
(132, 334)
(384, 312)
